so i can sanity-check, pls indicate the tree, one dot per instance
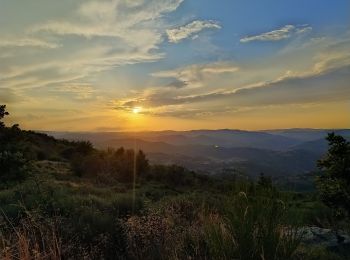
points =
(334, 183)
(3, 113)
(142, 164)
(13, 164)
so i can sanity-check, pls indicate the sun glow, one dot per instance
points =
(137, 110)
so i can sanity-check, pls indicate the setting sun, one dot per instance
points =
(136, 110)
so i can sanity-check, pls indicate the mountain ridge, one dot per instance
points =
(279, 152)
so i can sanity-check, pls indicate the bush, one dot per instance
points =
(13, 167)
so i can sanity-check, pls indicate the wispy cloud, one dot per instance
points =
(194, 75)
(28, 42)
(117, 18)
(79, 91)
(106, 34)
(178, 34)
(326, 80)
(289, 90)
(8, 95)
(285, 32)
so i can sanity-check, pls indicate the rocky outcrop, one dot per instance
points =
(325, 237)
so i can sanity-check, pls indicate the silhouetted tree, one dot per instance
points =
(3, 113)
(12, 161)
(84, 147)
(334, 183)
(142, 164)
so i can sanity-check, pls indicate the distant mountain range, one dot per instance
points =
(287, 152)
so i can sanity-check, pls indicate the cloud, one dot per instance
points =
(129, 31)
(178, 34)
(285, 32)
(118, 18)
(79, 91)
(195, 75)
(325, 81)
(94, 36)
(28, 42)
(177, 84)
(329, 86)
(8, 95)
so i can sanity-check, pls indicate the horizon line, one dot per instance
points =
(192, 130)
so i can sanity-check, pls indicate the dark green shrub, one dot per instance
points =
(13, 167)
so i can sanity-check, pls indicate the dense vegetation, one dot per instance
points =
(67, 200)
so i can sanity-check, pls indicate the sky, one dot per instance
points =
(136, 65)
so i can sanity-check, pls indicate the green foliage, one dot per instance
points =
(334, 183)
(90, 220)
(111, 165)
(13, 164)
(13, 167)
(77, 148)
(256, 224)
(142, 164)
(108, 221)
(260, 227)
(171, 175)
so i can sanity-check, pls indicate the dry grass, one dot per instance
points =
(31, 239)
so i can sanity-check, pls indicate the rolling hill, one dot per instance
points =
(280, 153)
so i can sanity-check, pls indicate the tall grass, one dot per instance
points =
(31, 239)
(247, 227)
(254, 227)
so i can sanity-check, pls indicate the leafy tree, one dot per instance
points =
(3, 113)
(13, 164)
(142, 164)
(76, 149)
(334, 183)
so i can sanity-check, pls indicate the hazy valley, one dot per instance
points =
(283, 154)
